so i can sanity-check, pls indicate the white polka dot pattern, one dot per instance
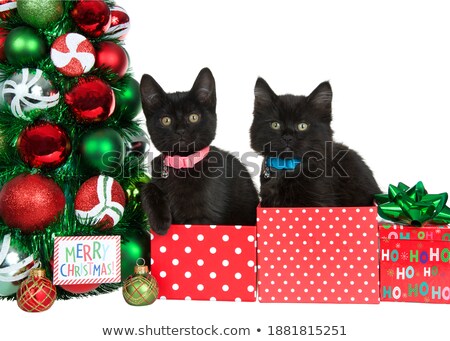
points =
(201, 262)
(320, 255)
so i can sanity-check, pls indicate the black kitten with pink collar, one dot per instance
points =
(192, 181)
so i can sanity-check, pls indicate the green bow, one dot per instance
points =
(413, 205)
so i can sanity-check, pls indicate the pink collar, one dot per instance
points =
(179, 162)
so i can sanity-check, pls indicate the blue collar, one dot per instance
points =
(281, 164)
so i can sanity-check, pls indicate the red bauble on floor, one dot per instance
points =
(36, 293)
(31, 202)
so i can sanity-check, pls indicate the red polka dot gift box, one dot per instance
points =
(318, 255)
(205, 262)
(415, 263)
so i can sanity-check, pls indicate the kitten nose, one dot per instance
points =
(287, 138)
(181, 132)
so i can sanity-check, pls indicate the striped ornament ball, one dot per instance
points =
(100, 202)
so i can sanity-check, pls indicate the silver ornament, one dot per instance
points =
(14, 267)
(28, 90)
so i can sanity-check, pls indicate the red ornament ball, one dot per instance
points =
(92, 17)
(113, 57)
(44, 145)
(79, 288)
(31, 202)
(3, 35)
(6, 6)
(120, 23)
(91, 100)
(72, 54)
(100, 202)
(37, 293)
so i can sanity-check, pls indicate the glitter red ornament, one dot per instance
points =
(120, 23)
(113, 57)
(44, 145)
(91, 100)
(31, 202)
(3, 35)
(36, 293)
(93, 17)
(73, 54)
(100, 202)
(6, 6)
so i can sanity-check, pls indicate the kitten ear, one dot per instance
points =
(264, 95)
(322, 96)
(204, 88)
(151, 93)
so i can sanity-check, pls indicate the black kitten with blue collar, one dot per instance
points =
(303, 166)
(192, 182)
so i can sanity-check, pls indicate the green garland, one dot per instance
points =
(71, 175)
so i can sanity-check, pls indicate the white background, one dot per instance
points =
(388, 64)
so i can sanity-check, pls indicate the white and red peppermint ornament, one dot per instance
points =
(6, 6)
(100, 201)
(120, 23)
(73, 54)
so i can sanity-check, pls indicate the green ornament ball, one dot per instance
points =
(135, 245)
(141, 289)
(133, 191)
(103, 150)
(128, 100)
(24, 46)
(40, 13)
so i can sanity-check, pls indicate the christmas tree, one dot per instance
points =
(68, 164)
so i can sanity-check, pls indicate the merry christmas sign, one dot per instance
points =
(86, 260)
(415, 263)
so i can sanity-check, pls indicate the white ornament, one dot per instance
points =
(12, 268)
(29, 90)
(8, 6)
(73, 54)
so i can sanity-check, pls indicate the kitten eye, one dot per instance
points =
(166, 121)
(302, 126)
(194, 118)
(275, 125)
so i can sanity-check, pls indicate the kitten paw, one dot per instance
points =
(160, 226)
(156, 207)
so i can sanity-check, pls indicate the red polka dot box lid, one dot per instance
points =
(318, 255)
(205, 262)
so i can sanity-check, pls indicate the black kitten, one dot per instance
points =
(218, 189)
(302, 166)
